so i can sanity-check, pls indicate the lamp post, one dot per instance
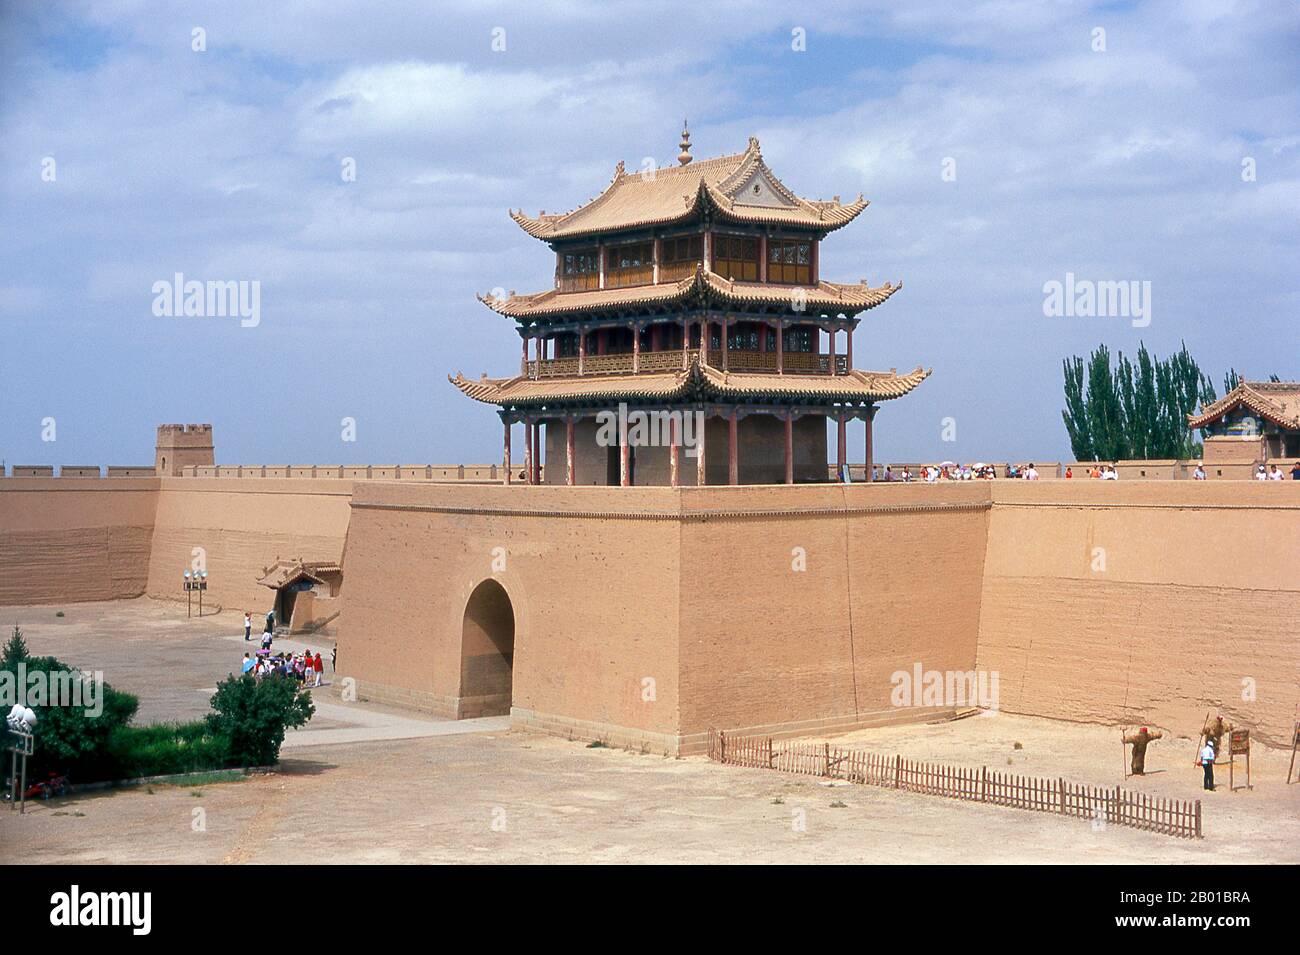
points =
(198, 580)
(20, 722)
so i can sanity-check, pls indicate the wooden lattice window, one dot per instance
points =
(789, 261)
(736, 257)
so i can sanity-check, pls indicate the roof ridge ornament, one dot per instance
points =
(684, 157)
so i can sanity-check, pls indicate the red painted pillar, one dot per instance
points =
(528, 451)
(780, 347)
(523, 365)
(686, 345)
(704, 341)
(733, 453)
(636, 349)
(871, 413)
(725, 323)
(507, 452)
(582, 351)
(624, 463)
(673, 463)
(841, 446)
(762, 258)
(537, 451)
(569, 452)
(789, 448)
(832, 358)
(848, 357)
(701, 474)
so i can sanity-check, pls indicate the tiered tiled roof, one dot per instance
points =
(695, 382)
(284, 572)
(824, 296)
(1275, 401)
(673, 194)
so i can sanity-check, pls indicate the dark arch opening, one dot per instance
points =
(487, 652)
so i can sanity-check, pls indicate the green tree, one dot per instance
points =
(15, 650)
(71, 738)
(1135, 410)
(252, 715)
(1076, 411)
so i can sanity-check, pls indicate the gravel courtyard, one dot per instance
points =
(368, 784)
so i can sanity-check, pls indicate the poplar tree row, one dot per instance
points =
(1134, 409)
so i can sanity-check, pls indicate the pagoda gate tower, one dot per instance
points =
(682, 340)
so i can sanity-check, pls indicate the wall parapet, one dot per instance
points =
(78, 471)
(349, 472)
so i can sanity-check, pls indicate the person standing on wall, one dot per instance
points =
(1207, 762)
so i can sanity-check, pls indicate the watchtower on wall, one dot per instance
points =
(180, 445)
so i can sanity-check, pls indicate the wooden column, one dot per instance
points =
(636, 349)
(841, 445)
(831, 366)
(815, 270)
(733, 459)
(726, 323)
(762, 257)
(582, 351)
(789, 448)
(570, 457)
(528, 451)
(656, 259)
(602, 340)
(506, 454)
(624, 461)
(686, 345)
(538, 451)
(780, 347)
(704, 341)
(673, 444)
(871, 413)
(523, 365)
(848, 357)
(600, 263)
(701, 474)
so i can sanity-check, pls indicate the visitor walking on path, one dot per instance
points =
(1207, 762)
(248, 625)
(320, 667)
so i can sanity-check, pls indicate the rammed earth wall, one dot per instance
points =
(647, 615)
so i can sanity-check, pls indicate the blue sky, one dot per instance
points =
(224, 164)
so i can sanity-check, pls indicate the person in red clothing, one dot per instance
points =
(319, 667)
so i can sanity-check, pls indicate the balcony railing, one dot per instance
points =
(671, 360)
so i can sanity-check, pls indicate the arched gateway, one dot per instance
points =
(487, 652)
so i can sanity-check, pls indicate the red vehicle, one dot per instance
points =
(56, 785)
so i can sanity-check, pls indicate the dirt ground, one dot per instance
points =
(377, 786)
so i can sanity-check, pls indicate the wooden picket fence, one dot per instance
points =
(1174, 817)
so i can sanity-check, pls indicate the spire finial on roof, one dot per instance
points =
(685, 155)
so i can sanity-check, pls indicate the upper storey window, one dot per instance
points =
(736, 257)
(631, 264)
(579, 270)
(679, 256)
(789, 261)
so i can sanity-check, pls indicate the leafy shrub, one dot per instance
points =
(67, 736)
(252, 716)
(165, 749)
